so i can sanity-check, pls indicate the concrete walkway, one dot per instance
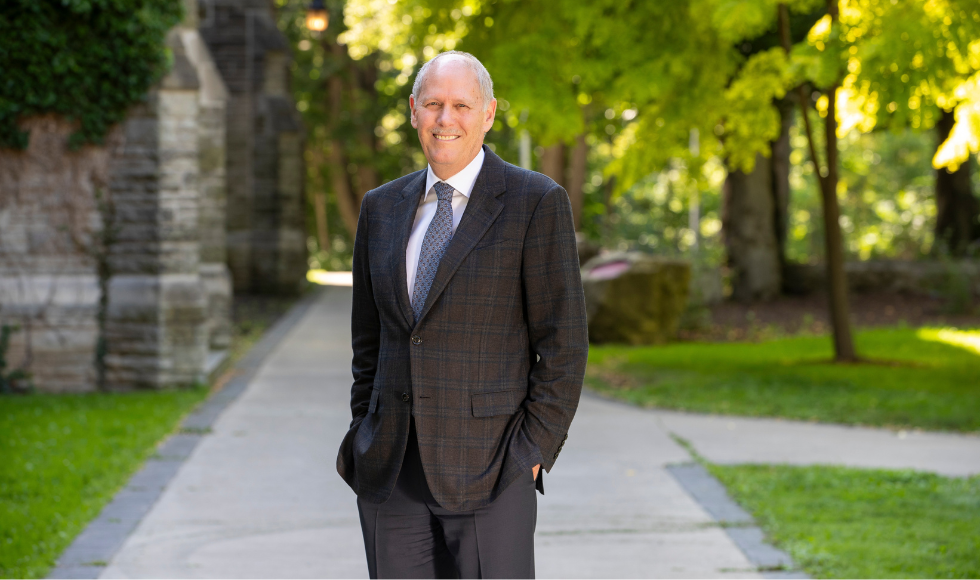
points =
(259, 497)
(733, 440)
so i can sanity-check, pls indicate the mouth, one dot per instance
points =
(445, 137)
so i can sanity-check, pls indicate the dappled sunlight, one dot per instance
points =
(325, 278)
(856, 108)
(964, 139)
(965, 339)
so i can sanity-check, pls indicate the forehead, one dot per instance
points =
(451, 77)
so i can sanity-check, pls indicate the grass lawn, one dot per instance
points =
(64, 457)
(914, 379)
(857, 523)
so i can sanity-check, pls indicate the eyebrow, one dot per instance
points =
(428, 100)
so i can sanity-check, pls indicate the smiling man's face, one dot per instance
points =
(450, 117)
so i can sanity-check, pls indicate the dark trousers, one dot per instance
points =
(412, 536)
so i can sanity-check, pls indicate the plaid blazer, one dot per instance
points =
(492, 371)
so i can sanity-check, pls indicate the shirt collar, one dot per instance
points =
(463, 181)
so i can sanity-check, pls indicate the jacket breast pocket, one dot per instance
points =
(495, 403)
(498, 242)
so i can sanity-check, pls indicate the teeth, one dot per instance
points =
(447, 137)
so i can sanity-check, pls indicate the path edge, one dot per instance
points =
(738, 524)
(95, 547)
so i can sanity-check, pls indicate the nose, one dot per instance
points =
(445, 116)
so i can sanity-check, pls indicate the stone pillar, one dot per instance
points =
(157, 331)
(215, 275)
(279, 238)
(266, 229)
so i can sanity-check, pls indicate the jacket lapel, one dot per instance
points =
(405, 210)
(481, 211)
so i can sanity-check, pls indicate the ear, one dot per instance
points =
(489, 116)
(411, 108)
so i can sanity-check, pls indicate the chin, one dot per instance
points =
(445, 155)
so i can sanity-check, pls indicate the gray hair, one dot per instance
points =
(486, 83)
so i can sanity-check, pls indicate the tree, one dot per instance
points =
(757, 202)
(732, 98)
(538, 64)
(825, 76)
(915, 63)
(957, 209)
(738, 103)
(354, 102)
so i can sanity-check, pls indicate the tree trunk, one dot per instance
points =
(840, 317)
(337, 160)
(322, 232)
(749, 233)
(780, 177)
(363, 76)
(346, 203)
(316, 159)
(553, 163)
(839, 312)
(957, 210)
(577, 167)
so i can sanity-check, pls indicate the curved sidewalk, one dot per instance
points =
(259, 497)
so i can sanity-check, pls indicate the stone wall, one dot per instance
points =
(50, 226)
(143, 218)
(131, 242)
(901, 276)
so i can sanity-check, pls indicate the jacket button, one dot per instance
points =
(406, 397)
(416, 339)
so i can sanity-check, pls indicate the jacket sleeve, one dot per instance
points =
(365, 322)
(557, 328)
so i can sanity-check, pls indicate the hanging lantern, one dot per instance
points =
(317, 17)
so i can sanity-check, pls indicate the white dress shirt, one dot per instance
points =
(462, 183)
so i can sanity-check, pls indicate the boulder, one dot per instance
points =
(635, 298)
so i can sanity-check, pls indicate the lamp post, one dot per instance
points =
(317, 17)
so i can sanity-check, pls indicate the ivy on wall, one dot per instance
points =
(88, 60)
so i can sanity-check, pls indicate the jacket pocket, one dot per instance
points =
(375, 395)
(497, 402)
(498, 241)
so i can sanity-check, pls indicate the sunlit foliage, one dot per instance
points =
(637, 78)
(902, 61)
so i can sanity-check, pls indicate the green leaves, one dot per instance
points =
(59, 57)
(750, 119)
(817, 59)
(735, 20)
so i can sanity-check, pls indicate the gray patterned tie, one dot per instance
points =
(433, 246)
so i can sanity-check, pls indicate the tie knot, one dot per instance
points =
(444, 191)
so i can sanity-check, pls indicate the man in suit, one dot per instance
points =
(470, 341)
